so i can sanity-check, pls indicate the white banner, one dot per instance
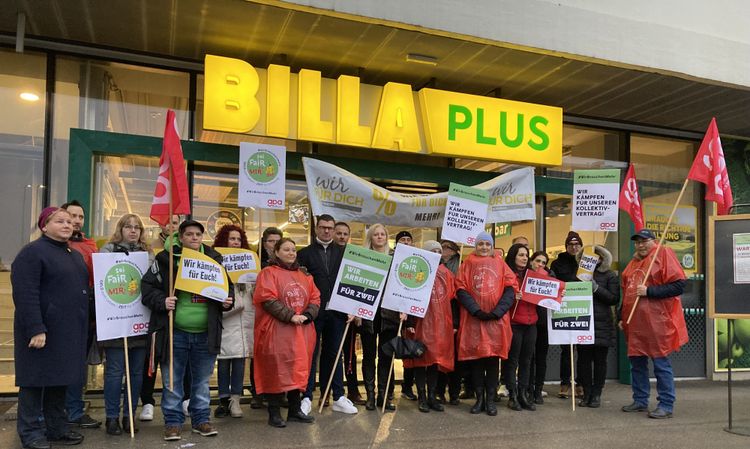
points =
(359, 283)
(465, 214)
(410, 280)
(596, 194)
(573, 323)
(117, 295)
(262, 176)
(347, 197)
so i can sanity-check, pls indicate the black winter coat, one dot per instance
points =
(565, 267)
(606, 294)
(154, 288)
(51, 295)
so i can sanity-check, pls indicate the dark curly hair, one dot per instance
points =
(222, 237)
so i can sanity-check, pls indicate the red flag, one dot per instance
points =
(630, 200)
(710, 168)
(171, 164)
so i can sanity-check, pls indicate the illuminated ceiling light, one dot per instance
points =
(29, 96)
(421, 59)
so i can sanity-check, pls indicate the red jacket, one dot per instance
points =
(86, 247)
(523, 312)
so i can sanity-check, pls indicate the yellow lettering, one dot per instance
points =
(229, 102)
(396, 127)
(348, 129)
(309, 124)
(277, 101)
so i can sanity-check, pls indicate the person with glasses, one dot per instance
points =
(128, 237)
(657, 328)
(565, 268)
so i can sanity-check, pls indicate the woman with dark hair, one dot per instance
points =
(286, 303)
(267, 244)
(128, 237)
(237, 335)
(523, 320)
(485, 287)
(538, 262)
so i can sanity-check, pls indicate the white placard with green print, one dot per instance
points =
(573, 324)
(359, 283)
(117, 292)
(465, 213)
(596, 194)
(741, 258)
(262, 176)
(410, 280)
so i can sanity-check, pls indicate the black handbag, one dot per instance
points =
(404, 348)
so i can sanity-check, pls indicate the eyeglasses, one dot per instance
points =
(132, 227)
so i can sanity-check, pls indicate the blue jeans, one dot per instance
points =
(230, 376)
(329, 327)
(114, 372)
(664, 381)
(192, 349)
(74, 400)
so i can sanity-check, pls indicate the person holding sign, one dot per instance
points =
(605, 285)
(523, 320)
(50, 294)
(128, 237)
(286, 303)
(657, 328)
(538, 372)
(485, 287)
(435, 330)
(197, 333)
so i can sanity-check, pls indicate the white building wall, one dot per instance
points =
(693, 38)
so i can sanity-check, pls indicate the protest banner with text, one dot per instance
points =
(465, 213)
(242, 265)
(410, 280)
(262, 176)
(596, 194)
(200, 274)
(573, 324)
(543, 290)
(117, 295)
(587, 264)
(360, 282)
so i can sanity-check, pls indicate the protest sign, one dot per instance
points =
(262, 176)
(542, 290)
(359, 283)
(573, 324)
(465, 213)
(587, 264)
(596, 194)
(200, 274)
(242, 265)
(344, 195)
(410, 280)
(117, 295)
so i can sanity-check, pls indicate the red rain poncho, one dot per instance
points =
(485, 279)
(435, 330)
(658, 325)
(283, 351)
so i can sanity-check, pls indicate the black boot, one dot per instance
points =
(595, 400)
(222, 411)
(523, 400)
(433, 402)
(422, 400)
(478, 406)
(295, 410)
(126, 425)
(274, 411)
(538, 398)
(370, 390)
(513, 400)
(389, 405)
(490, 403)
(113, 426)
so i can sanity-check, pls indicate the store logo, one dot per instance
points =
(122, 283)
(262, 167)
(413, 272)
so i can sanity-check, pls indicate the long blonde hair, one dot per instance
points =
(371, 231)
(117, 236)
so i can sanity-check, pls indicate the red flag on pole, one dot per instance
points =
(710, 168)
(630, 200)
(171, 185)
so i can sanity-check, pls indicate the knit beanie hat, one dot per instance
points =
(403, 234)
(450, 244)
(486, 237)
(573, 237)
(45, 216)
(432, 245)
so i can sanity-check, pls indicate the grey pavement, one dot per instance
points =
(699, 420)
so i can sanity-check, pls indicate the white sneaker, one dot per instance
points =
(185, 410)
(235, 411)
(503, 391)
(306, 406)
(544, 394)
(344, 405)
(147, 414)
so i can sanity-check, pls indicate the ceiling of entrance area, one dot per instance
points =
(263, 34)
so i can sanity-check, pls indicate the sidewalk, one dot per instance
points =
(700, 416)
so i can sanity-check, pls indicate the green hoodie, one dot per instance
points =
(191, 312)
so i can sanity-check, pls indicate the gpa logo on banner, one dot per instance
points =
(262, 167)
(365, 313)
(582, 339)
(140, 328)
(607, 226)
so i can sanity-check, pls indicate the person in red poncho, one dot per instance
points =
(485, 287)
(657, 328)
(435, 330)
(286, 303)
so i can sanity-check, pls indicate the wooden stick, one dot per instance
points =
(658, 248)
(127, 385)
(171, 291)
(572, 378)
(333, 371)
(461, 254)
(606, 234)
(390, 371)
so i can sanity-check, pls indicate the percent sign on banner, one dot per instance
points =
(385, 206)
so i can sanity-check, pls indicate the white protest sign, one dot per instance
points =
(359, 283)
(465, 213)
(262, 176)
(117, 295)
(596, 194)
(410, 280)
(573, 323)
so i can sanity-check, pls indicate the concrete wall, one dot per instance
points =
(694, 38)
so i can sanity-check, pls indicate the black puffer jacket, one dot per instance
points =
(566, 267)
(606, 294)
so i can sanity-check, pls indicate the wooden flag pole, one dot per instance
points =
(127, 385)
(461, 254)
(658, 248)
(572, 377)
(390, 371)
(333, 371)
(171, 290)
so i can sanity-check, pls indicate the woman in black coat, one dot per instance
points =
(606, 288)
(50, 293)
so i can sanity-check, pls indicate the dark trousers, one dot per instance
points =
(408, 381)
(484, 374)
(565, 364)
(147, 386)
(538, 372)
(519, 356)
(350, 360)
(34, 402)
(592, 358)
(329, 327)
(384, 363)
(369, 353)
(426, 377)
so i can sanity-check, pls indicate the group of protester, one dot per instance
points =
(477, 317)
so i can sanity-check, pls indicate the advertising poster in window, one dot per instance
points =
(262, 176)
(682, 234)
